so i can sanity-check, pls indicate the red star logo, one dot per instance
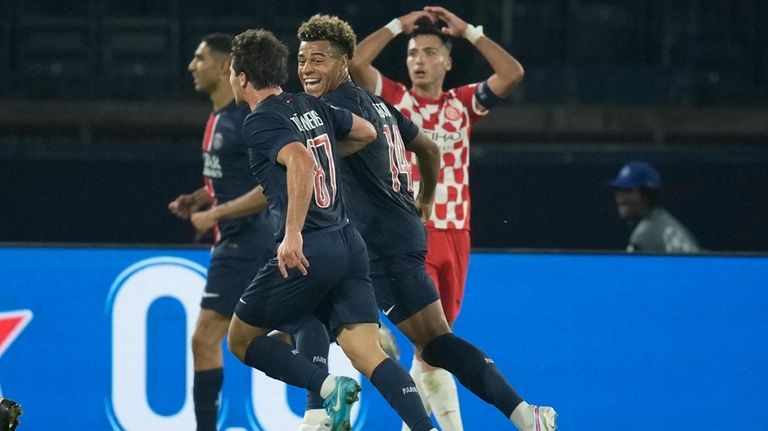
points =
(11, 325)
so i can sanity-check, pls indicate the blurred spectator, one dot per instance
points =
(637, 190)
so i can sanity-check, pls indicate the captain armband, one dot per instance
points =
(485, 97)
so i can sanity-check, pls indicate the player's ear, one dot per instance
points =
(344, 62)
(448, 63)
(242, 79)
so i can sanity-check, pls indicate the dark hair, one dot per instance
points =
(425, 26)
(331, 28)
(262, 58)
(219, 42)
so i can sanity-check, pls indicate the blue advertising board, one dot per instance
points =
(98, 339)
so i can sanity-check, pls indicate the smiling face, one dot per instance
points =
(321, 68)
(428, 60)
(207, 68)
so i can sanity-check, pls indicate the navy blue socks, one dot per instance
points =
(474, 369)
(205, 393)
(280, 361)
(313, 342)
(397, 387)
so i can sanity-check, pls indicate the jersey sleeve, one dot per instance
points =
(266, 133)
(342, 120)
(466, 93)
(390, 90)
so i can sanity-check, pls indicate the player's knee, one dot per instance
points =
(237, 344)
(203, 341)
(433, 329)
(439, 349)
(364, 356)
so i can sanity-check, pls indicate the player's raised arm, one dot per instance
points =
(507, 70)
(361, 64)
(300, 173)
(250, 203)
(361, 134)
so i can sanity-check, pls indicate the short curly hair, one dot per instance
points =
(331, 28)
(262, 57)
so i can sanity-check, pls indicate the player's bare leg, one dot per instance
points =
(210, 329)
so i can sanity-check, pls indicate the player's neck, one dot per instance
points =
(257, 96)
(221, 96)
(429, 91)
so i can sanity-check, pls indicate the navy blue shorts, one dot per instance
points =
(234, 262)
(337, 288)
(227, 279)
(402, 285)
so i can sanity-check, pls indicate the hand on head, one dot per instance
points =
(454, 25)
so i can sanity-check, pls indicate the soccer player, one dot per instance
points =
(293, 148)
(378, 180)
(241, 244)
(447, 117)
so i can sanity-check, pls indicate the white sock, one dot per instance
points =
(415, 373)
(440, 390)
(522, 417)
(329, 384)
(315, 416)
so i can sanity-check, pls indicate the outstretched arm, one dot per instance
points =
(507, 70)
(360, 66)
(428, 155)
(250, 203)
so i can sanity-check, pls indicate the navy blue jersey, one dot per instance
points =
(227, 176)
(377, 180)
(286, 118)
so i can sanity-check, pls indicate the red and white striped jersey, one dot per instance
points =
(448, 120)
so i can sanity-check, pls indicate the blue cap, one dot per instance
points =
(635, 175)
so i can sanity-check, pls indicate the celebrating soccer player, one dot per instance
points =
(321, 265)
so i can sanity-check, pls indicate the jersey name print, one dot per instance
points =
(298, 118)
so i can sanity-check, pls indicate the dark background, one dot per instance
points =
(100, 126)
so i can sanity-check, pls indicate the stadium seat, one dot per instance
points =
(58, 52)
(603, 33)
(139, 56)
(5, 48)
